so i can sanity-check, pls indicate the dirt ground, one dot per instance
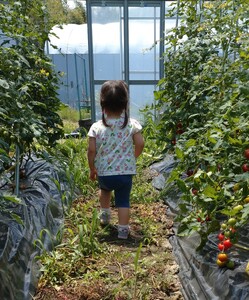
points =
(127, 269)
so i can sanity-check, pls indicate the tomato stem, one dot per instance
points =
(241, 247)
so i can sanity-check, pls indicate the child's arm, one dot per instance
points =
(138, 141)
(91, 153)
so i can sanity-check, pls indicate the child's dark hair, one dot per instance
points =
(114, 97)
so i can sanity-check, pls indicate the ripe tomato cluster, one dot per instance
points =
(226, 237)
(245, 166)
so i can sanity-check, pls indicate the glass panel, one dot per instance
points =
(73, 87)
(97, 102)
(143, 33)
(144, 12)
(107, 28)
(140, 96)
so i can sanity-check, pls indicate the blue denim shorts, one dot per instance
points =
(121, 185)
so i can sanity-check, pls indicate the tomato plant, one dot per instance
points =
(206, 90)
(28, 88)
(28, 83)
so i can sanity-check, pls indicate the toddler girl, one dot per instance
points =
(114, 144)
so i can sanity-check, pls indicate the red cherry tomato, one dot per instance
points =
(227, 244)
(221, 236)
(221, 246)
(245, 167)
(246, 153)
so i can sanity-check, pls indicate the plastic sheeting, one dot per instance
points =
(42, 208)
(200, 276)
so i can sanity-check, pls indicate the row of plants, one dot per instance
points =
(28, 88)
(204, 98)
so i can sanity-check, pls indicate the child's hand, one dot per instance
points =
(93, 174)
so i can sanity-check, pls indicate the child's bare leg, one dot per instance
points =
(105, 198)
(123, 215)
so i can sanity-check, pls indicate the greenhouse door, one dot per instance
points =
(124, 42)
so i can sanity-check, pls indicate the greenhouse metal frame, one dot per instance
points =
(135, 82)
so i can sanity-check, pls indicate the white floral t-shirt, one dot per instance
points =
(115, 152)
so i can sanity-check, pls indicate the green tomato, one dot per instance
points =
(230, 264)
(236, 187)
(227, 233)
(231, 221)
(238, 208)
(223, 226)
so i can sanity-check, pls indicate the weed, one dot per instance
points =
(67, 113)
(136, 269)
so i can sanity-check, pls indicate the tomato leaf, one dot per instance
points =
(173, 176)
(190, 143)
(185, 230)
(228, 212)
(245, 212)
(242, 177)
(182, 186)
(233, 141)
(179, 153)
(210, 192)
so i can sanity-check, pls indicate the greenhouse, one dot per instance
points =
(123, 39)
(183, 68)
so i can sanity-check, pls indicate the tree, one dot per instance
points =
(60, 13)
(77, 15)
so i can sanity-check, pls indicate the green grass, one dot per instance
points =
(71, 117)
(69, 114)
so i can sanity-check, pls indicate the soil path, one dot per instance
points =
(133, 269)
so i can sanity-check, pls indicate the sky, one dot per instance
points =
(71, 3)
